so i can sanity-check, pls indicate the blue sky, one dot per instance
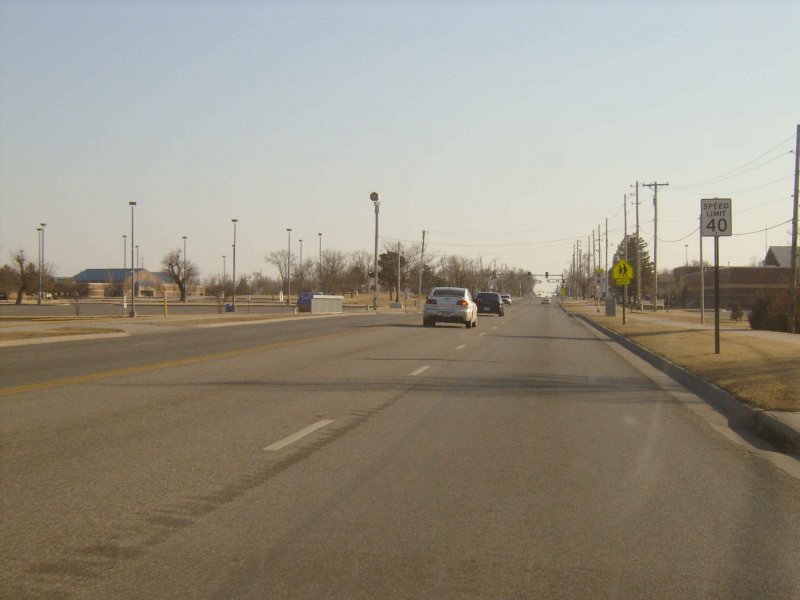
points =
(506, 130)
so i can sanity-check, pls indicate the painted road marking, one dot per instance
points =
(481, 334)
(418, 371)
(461, 347)
(298, 436)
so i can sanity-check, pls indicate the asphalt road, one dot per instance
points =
(368, 457)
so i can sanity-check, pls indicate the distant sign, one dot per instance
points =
(623, 272)
(716, 217)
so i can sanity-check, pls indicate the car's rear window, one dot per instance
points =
(487, 296)
(448, 292)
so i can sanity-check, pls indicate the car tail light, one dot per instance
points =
(462, 303)
(430, 301)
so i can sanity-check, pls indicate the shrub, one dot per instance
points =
(770, 311)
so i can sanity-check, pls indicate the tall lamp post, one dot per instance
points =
(319, 264)
(223, 278)
(289, 267)
(41, 265)
(185, 290)
(233, 292)
(377, 202)
(300, 266)
(133, 269)
(686, 247)
(124, 263)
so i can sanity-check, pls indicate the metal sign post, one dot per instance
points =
(715, 221)
(623, 273)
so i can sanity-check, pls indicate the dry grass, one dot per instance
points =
(764, 373)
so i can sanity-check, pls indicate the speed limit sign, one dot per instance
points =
(716, 217)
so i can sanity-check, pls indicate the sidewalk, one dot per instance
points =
(755, 372)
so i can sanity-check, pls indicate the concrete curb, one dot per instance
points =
(765, 424)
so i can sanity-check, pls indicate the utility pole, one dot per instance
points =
(421, 268)
(638, 273)
(578, 265)
(625, 250)
(654, 187)
(606, 263)
(793, 278)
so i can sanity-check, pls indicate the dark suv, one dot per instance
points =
(490, 302)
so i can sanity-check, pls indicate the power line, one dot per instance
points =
(730, 173)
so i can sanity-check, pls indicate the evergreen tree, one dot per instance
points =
(646, 265)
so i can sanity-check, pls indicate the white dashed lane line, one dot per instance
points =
(298, 436)
(418, 371)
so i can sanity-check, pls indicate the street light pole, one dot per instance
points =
(185, 290)
(133, 269)
(289, 267)
(377, 202)
(223, 278)
(124, 264)
(300, 264)
(39, 265)
(686, 247)
(319, 265)
(233, 292)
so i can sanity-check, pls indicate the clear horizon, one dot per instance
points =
(506, 131)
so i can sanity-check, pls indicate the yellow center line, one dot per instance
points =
(7, 391)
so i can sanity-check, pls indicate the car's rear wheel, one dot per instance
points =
(428, 322)
(468, 324)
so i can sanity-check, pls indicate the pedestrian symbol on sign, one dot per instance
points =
(623, 272)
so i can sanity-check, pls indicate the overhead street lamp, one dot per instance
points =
(133, 269)
(233, 305)
(377, 202)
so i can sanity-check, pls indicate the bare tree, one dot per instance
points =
(182, 272)
(279, 261)
(359, 266)
(22, 274)
(334, 265)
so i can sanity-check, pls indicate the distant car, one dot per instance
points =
(506, 298)
(450, 305)
(3, 296)
(546, 300)
(490, 302)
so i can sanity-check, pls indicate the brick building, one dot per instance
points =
(740, 284)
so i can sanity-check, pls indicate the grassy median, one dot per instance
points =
(764, 373)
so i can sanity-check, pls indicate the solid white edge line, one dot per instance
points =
(461, 347)
(418, 371)
(299, 435)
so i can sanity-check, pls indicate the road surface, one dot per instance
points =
(368, 457)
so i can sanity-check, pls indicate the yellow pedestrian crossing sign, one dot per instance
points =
(623, 272)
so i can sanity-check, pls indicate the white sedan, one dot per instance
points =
(450, 305)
